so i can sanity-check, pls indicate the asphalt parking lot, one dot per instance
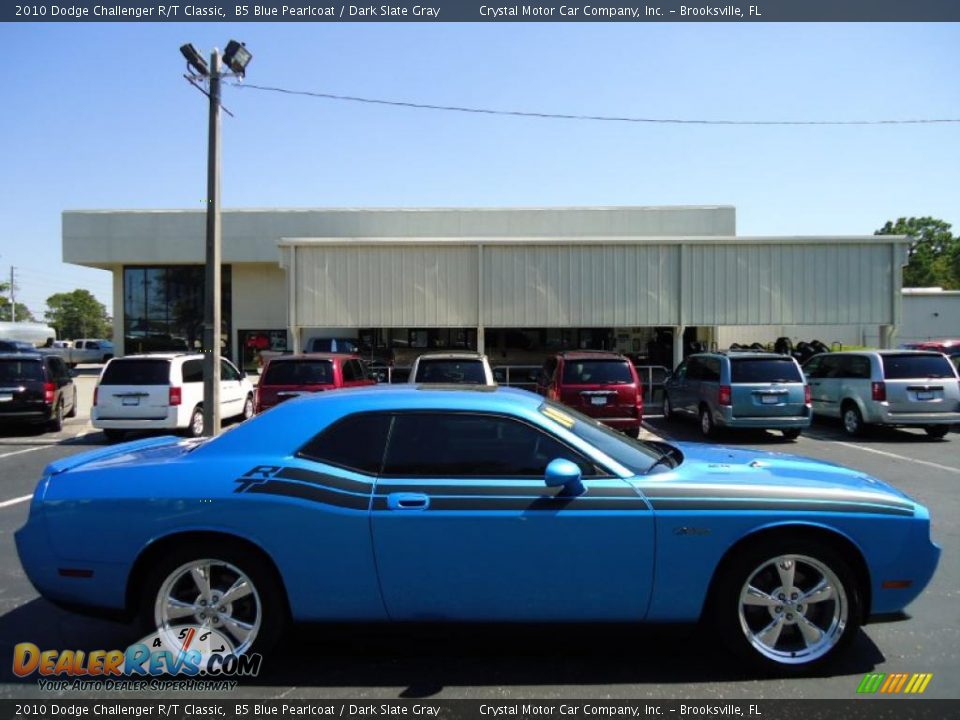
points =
(505, 663)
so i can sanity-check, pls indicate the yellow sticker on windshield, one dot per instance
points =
(558, 416)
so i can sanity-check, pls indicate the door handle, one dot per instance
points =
(408, 501)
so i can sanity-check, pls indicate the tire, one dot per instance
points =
(772, 627)
(56, 422)
(668, 413)
(791, 433)
(247, 408)
(632, 432)
(73, 408)
(114, 435)
(937, 431)
(195, 427)
(259, 606)
(707, 428)
(852, 420)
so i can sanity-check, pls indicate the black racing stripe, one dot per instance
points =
(781, 505)
(312, 493)
(772, 493)
(502, 489)
(326, 480)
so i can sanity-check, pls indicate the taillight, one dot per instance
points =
(878, 391)
(725, 397)
(806, 394)
(552, 393)
(96, 390)
(176, 395)
(49, 391)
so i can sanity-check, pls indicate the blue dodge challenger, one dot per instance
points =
(484, 504)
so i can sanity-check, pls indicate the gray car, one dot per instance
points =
(740, 390)
(907, 388)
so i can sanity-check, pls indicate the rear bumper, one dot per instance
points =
(883, 416)
(170, 422)
(621, 423)
(727, 419)
(27, 417)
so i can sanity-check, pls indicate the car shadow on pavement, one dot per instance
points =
(830, 428)
(684, 431)
(426, 659)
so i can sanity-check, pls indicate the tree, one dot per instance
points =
(23, 313)
(934, 253)
(77, 314)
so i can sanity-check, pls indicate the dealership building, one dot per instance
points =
(517, 283)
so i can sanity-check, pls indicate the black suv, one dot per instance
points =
(36, 389)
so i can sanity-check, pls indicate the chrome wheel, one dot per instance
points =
(212, 594)
(196, 423)
(852, 422)
(793, 609)
(248, 408)
(706, 422)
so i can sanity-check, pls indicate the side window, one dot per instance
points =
(694, 369)
(472, 445)
(93, 346)
(350, 371)
(681, 371)
(858, 367)
(831, 367)
(356, 443)
(813, 368)
(193, 371)
(228, 372)
(711, 369)
(58, 369)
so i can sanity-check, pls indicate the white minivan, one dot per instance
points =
(164, 391)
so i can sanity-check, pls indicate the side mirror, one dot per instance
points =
(563, 473)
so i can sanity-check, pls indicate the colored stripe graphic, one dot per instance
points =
(894, 683)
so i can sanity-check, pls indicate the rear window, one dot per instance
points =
(597, 372)
(313, 372)
(19, 370)
(759, 370)
(137, 372)
(904, 367)
(451, 371)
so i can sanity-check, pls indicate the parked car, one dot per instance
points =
(740, 390)
(36, 389)
(944, 345)
(483, 504)
(82, 351)
(452, 368)
(603, 385)
(287, 376)
(905, 388)
(164, 391)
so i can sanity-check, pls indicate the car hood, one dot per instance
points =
(157, 449)
(726, 472)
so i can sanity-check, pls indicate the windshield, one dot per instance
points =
(287, 372)
(635, 455)
(910, 366)
(758, 370)
(596, 372)
(451, 371)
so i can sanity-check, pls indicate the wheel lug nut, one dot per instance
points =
(203, 616)
(223, 609)
(782, 596)
(779, 608)
(789, 616)
(794, 596)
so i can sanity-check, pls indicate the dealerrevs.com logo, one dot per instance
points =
(894, 683)
(187, 657)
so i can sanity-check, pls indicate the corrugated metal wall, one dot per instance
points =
(773, 284)
(580, 285)
(386, 286)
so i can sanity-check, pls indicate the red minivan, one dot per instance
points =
(287, 376)
(603, 385)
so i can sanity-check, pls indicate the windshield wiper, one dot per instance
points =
(665, 459)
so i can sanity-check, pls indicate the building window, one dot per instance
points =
(163, 308)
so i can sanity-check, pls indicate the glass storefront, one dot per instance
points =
(163, 308)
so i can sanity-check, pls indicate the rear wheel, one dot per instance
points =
(937, 431)
(667, 408)
(852, 420)
(791, 433)
(787, 606)
(247, 408)
(56, 421)
(632, 432)
(195, 428)
(707, 428)
(215, 586)
(73, 407)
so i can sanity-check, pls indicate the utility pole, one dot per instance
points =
(13, 297)
(212, 312)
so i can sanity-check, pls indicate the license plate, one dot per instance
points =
(770, 399)
(601, 400)
(6, 397)
(924, 396)
(131, 401)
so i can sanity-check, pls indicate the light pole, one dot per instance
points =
(236, 57)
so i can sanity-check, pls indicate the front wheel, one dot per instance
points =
(937, 431)
(218, 587)
(791, 433)
(788, 606)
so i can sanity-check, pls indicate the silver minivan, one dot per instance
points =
(907, 388)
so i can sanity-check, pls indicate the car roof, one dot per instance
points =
(162, 356)
(592, 355)
(747, 354)
(314, 356)
(21, 355)
(890, 351)
(464, 355)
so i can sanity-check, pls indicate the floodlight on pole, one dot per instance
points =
(236, 58)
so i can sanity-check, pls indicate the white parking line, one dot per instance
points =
(15, 501)
(947, 468)
(20, 452)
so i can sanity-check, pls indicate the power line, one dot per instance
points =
(601, 118)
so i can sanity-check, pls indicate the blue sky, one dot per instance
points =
(98, 116)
